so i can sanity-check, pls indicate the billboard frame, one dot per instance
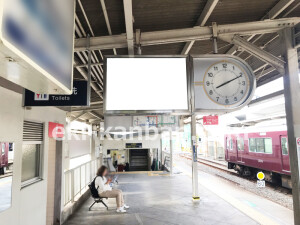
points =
(148, 112)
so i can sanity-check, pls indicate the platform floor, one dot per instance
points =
(161, 200)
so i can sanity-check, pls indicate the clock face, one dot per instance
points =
(226, 83)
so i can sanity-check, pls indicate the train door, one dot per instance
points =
(227, 144)
(240, 147)
(285, 160)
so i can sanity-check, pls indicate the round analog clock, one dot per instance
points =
(227, 83)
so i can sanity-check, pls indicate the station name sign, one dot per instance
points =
(77, 98)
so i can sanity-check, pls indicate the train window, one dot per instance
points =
(240, 144)
(261, 145)
(229, 144)
(252, 145)
(284, 146)
(268, 145)
(3, 149)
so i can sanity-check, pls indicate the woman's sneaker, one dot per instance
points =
(121, 210)
(125, 206)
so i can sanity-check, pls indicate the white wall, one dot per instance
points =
(29, 203)
(79, 145)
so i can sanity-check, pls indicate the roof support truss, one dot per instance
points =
(208, 9)
(129, 25)
(187, 34)
(107, 21)
(272, 14)
(258, 52)
(78, 117)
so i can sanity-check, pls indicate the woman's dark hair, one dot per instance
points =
(101, 171)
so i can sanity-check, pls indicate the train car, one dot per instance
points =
(249, 153)
(4, 157)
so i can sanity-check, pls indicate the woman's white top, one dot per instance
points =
(101, 186)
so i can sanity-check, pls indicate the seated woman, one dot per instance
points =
(104, 189)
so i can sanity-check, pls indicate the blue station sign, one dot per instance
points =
(77, 98)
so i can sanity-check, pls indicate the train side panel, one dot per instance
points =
(240, 151)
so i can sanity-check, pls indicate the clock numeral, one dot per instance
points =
(235, 98)
(226, 101)
(242, 92)
(210, 74)
(241, 74)
(211, 92)
(233, 67)
(225, 65)
(216, 68)
(218, 99)
(207, 83)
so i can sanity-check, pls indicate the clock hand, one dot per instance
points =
(227, 82)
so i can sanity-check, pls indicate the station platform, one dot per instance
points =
(159, 199)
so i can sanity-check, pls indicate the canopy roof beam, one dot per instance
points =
(258, 52)
(129, 25)
(187, 34)
(207, 11)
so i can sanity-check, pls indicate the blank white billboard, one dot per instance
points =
(146, 84)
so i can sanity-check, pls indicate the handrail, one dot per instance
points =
(76, 180)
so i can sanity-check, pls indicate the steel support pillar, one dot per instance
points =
(195, 158)
(89, 80)
(292, 107)
(171, 154)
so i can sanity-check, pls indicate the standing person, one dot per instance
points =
(102, 184)
(115, 160)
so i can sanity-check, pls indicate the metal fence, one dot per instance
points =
(77, 180)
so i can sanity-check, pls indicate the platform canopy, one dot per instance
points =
(247, 29)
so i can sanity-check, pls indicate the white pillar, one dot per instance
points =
(171, 153)
(195, 158)
(292, 107)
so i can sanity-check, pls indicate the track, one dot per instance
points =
(222, 167)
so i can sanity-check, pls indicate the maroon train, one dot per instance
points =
(4, 147)
(249, 153)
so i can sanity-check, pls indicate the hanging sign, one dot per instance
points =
(37, 38)
(133, 145)
(77, 98)
(210, 120)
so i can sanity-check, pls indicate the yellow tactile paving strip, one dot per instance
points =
(247, 210)
(150, 173)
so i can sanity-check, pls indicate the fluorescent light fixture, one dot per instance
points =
(151, 84)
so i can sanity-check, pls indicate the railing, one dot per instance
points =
(77, 179)
(166, 160)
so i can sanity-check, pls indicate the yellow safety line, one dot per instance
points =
(247, 210)
(137, 172)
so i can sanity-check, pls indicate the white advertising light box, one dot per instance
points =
(149, 84)
(36, 48)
